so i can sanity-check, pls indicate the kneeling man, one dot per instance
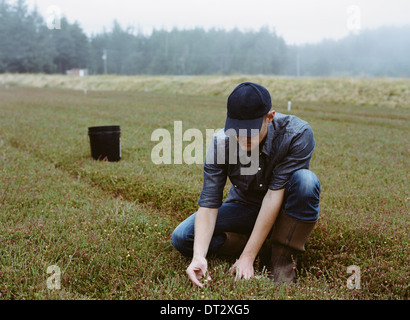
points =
(273, 203)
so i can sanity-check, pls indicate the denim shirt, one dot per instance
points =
(288, 147)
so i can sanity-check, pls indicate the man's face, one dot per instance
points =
(250, 143)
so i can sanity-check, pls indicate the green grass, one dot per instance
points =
(108, 225)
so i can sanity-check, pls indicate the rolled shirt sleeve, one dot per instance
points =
(298, 157)
(215, 172)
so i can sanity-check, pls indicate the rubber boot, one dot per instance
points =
(288, 239)
(234, 244)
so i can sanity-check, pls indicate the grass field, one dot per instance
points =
(107, 226)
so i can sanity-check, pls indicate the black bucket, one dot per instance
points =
(105, 143)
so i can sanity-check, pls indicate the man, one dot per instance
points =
(270, 211)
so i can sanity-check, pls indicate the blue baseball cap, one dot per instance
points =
(247, 105)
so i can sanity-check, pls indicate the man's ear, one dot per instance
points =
(271, 115)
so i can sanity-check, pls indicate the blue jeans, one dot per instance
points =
(301, 201)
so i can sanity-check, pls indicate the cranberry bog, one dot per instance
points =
(101, 230)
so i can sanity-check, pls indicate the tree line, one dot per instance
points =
(28, 45)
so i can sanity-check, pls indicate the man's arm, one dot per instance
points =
(215, 175)
(205, 220)
(270, 208)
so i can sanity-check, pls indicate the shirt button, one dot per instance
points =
(235, 186)
(259, 169)
(261, 185)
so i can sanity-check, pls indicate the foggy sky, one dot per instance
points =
(297, 21)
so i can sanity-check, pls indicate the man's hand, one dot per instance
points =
(204, 228)
(197, 270)
(243, 268)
